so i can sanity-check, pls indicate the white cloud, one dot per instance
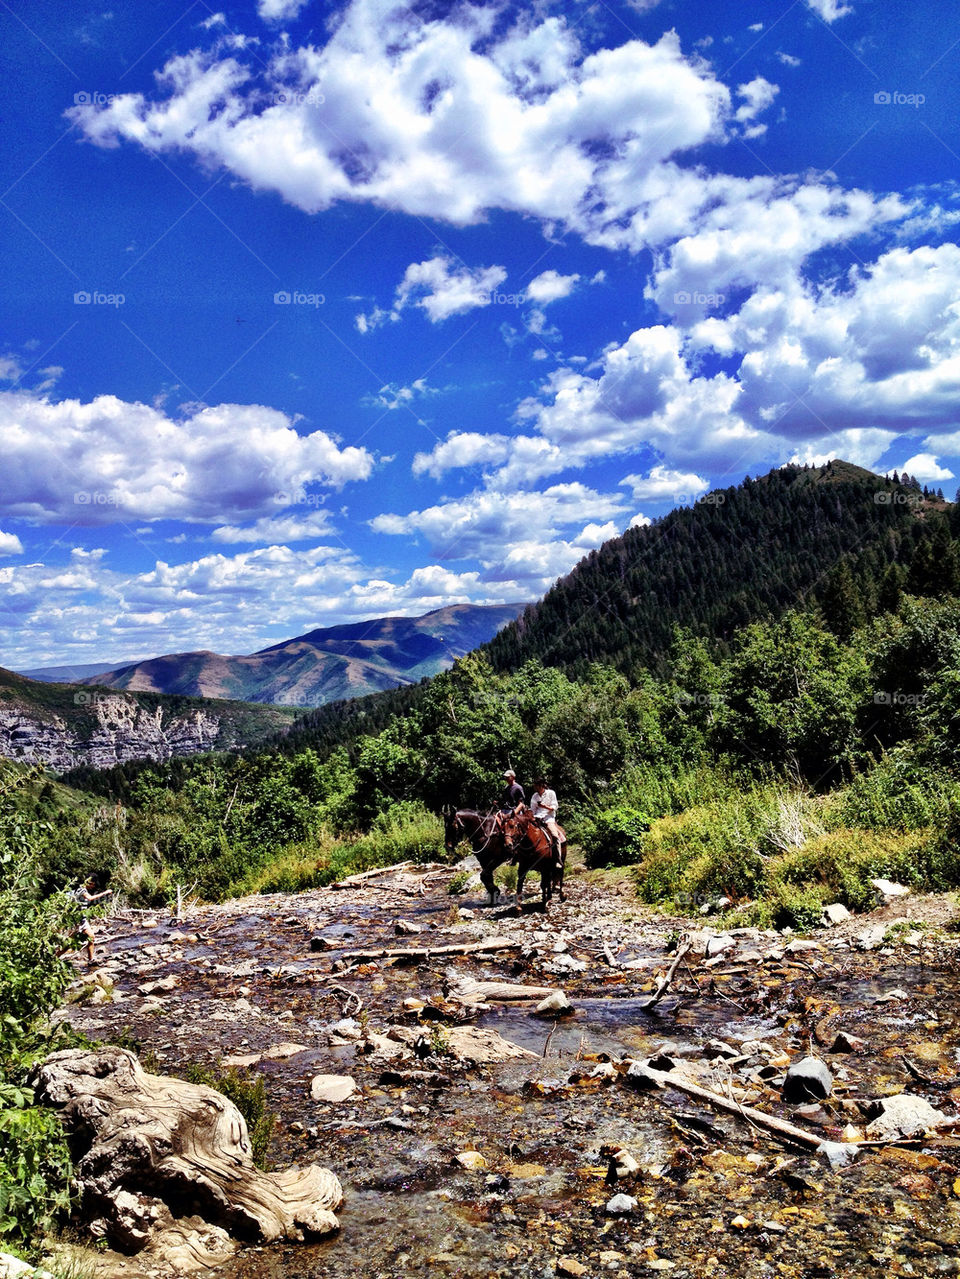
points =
(757, 95)
(460, 449)
(830, 10)
(276, 529)
(662, 484)
(788, 59)
(394, 397)
(488, 526)
(441, 118)
(279, 10)
(441, 289)
(108, 460)
(925, 468)
(641, 521)
(10, 544)
(550, 286)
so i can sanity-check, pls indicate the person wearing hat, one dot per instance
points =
(512, 794)
(543, 805)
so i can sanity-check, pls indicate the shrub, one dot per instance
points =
(616, 836)
(35, 1168)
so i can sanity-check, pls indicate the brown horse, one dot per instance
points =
(534, 850)
(486, 836)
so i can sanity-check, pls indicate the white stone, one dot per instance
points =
(332, 1088)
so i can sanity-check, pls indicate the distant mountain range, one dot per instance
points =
(325, 665)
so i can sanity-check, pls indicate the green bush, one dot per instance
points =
(615, 837)
(35, 1169)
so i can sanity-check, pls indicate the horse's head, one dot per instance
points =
(453, 830)
(511, 830)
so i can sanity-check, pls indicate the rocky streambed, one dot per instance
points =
(475, 1136)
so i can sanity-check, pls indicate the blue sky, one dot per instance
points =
(314, 313)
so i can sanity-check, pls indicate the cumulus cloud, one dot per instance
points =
(830, 10)
(10, 544)
(440, 288)
(554, 132)
(756, 95)
(550, 286)
(482, 525)
(276, 529)
(662, 484)
(278, 10)
(109, 459)
(925, 468)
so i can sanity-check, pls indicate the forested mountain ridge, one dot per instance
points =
(738, 555)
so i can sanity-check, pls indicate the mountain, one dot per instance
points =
(325, 665)
(71, 674)
(66, 725)
(738, 555)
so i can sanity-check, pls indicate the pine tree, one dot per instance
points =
(841, 602)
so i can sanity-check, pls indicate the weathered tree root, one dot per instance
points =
(151, 1152)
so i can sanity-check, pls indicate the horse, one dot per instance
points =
(534, 849)
(486, 838)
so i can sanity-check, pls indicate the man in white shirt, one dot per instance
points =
(543, 805)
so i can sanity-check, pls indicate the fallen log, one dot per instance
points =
(663, 983)
(469, 991)
(758, 1118)
(427, 952)
(363, 875)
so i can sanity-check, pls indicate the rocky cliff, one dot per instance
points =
(67, 727)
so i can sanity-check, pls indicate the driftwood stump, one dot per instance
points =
(166, 1165)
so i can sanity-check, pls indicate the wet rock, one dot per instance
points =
(872, 937)
(621, 1206)
(620, 1163)
(565, 964)
(410, 1078)
(404, 928)
(717, 945)
(241, 1061)
(905, 1115)
(806, 1080)
(471, 1045)
(280, 1052)
(835, 913)
(570, 1266)
(158, 987)
(895, 996)
(717, 904)
(888, 890)
(837, 1154)
(346, 1030)
(472, 1160)
(152, 1007)
(714, 1048)
(801, 947)
(555, 1005)
(332, 1088)
(846, 1043)
(641, 1076)
(320, 943)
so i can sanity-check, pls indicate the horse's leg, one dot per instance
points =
(563, 866)
(486, 878)
(521, 876)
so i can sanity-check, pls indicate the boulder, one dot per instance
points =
(893, 1118)
(621, 1205)
(14, 1268)
(835, 913)
(332, 1088)
(807, 1080)
(888, 890)
(148, 1149)
(555, 1005)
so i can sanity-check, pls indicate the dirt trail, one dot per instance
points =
(710, 1197)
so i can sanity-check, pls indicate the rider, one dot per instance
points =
(512, 794)
(543, 805)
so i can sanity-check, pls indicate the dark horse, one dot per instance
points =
(524, 836)
(486, 837)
